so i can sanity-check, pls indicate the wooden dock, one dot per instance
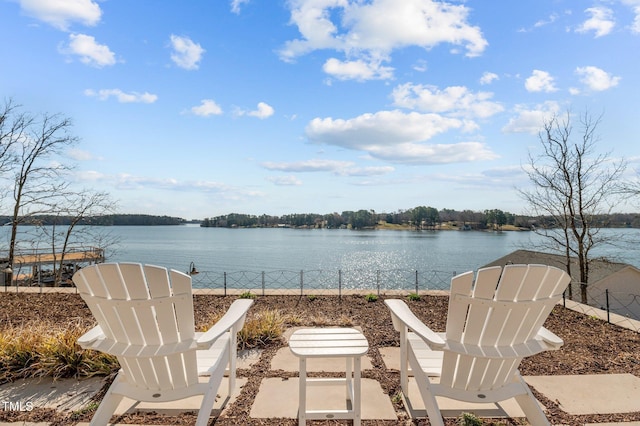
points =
(94, 255)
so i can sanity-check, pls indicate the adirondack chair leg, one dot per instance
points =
(404, 361)
(428, 398)
(108, 405)
(210, 396)
(233, 355)
(530, 406)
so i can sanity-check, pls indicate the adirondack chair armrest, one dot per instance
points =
(90, 336)
(403, 316)
(232, 320)
(550, 338)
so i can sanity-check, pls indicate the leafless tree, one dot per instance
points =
(34, 146)
(74, 210)
(8, 128)
(572, 185)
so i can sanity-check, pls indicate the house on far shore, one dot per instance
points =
(620, 279)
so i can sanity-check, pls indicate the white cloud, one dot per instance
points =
(596, 79)
(81, 155)
(284, 180)
(90, 52)
(186, 54)
(60, 14)
(397, 137)
(550, 20)
(237, 4)
(366, 171)
(456, 100)
(635, 27)
(540, 81)
(122, 97)
(488, 78)
(340, 168)
(357, 70)
(531, 120)
(421, 65)
(206, 108)
(369, 31)
(315, 165)
(601, 21)
(635, 7)
(264, 111)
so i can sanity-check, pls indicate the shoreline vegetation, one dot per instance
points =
(419, 218)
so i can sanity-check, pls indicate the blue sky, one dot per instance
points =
(201, 108)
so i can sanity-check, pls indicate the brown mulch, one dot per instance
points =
(591, 347)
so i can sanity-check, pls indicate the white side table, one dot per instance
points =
(346, 343)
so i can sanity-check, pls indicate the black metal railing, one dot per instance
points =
(320, 280)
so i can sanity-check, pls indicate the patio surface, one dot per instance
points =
(278, 397)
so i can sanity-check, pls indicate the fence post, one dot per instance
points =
(416, 281)
(225, 283)
(378, 281)
(606, 292)
(301, 282)
(263, 283)
(340, 284)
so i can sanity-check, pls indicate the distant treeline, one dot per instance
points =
(106, 220)
(419, 217)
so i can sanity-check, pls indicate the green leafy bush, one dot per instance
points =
(413, 297)
(247, 295)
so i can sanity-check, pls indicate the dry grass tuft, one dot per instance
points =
(39, 350)
(262, 328)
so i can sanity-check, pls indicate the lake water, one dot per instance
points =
(355, 258)
(274, 257)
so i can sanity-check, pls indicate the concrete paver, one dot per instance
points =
(278, 398)
(174, 408)
(452, 408)
(591, 394)
(246, 359)
(63, 395)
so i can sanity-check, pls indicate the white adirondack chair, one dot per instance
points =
(145, 318)
(492, 325)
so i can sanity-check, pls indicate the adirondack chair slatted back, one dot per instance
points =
(501, 309)
(146, 313)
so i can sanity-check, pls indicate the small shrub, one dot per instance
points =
(311, 297)
(371, 297)
(247, 295)
(414, 297)
(261, 329)
(39, 350)
(396, 398)
(469, 419)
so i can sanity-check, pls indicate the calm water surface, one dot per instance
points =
(273, 258)
(221, 249)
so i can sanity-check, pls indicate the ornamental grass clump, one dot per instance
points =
(262, 328)
(43, 350)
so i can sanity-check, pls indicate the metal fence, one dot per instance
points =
(323, 281)
(320, 282)
(613, 302)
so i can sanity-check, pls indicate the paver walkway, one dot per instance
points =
(278, 397)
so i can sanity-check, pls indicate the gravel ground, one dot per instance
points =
(591, 347)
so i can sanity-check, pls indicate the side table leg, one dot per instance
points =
(302, 403)
(349, 381)
(357, 391)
